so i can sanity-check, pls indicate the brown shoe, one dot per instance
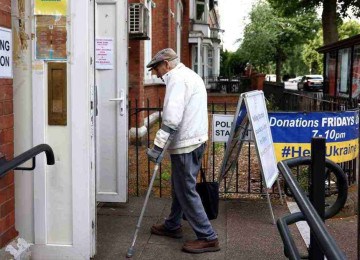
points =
(161, 230)
(201, 246)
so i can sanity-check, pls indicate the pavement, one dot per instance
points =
(244, 228)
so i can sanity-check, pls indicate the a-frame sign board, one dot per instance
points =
(251, 109)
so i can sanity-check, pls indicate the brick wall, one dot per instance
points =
(163, 36)
(136, 78)
(7, 199)
(223, 98)
(185, 46)
(155, 95)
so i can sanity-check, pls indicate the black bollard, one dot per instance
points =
(317, 189)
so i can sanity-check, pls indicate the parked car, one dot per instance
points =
(295, 80)
(311, 82)
(270, 77)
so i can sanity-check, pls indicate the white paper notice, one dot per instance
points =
(104, 54)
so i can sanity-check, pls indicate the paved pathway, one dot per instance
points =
(244, 228)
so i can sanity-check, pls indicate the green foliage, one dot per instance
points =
(302, 177)
(295, 66)
(231, 63)
(269, 38)
(218, 147)
(293, 40)
(312, 58)
(296, 7)
(348, 29)
(271, 103)
(331, 14)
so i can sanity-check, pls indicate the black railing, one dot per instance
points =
(246, 178)
(6, 166)
(221, 84)
(293, 100)
(321, 241)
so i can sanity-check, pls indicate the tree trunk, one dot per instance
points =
(330, 32)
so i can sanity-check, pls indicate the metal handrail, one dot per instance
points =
(325, 240)
(6, 166)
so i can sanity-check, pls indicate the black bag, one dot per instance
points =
(209, 194)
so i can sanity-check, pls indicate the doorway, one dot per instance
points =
(110, 91)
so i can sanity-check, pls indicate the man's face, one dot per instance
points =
(162, 68)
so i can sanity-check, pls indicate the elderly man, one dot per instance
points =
(185, 111)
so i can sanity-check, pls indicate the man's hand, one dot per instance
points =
(154, 153)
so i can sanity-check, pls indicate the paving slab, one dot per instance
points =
(244, 228)
(344, 231)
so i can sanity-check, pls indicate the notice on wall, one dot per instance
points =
(50, 7)
(51, 37)
(104, 54)
(6, 49)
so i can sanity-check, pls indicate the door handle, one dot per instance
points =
(121, 99)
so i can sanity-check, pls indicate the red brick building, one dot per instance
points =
(7, 200)
(191, 28)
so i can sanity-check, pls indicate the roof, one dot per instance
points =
(340, 44)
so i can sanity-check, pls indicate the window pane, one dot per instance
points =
(343, 80)
(210, 61)
(356, 72)
(330, 70)
(200, 11)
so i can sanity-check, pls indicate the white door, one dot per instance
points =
(112, 90)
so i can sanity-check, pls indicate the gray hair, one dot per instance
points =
(173, 63)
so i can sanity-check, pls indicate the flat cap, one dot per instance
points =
(165, 54)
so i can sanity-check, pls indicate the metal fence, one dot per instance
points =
(317, 101)
(218, 84)
(246, 178)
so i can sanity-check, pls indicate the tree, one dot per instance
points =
(348, 29)
(269, 37)
(312, 58)
(231, 64)
(332, 10)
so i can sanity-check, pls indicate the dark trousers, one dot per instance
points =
(185, 199)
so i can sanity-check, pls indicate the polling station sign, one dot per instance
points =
(6, 53)
(292, 133)
(221, 127)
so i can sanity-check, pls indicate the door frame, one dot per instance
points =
(83, 206)
(121, 60)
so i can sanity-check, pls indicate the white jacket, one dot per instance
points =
(185, 109)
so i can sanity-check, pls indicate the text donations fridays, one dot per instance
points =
(292, 133)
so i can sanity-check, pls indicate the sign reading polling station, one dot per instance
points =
(6, 50)
(221, 127)
(292, 133)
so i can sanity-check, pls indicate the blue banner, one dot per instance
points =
(292, 133)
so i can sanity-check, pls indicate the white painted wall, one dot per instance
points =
(58, 184)
(23, 126)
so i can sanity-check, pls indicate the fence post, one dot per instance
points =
(317, 189)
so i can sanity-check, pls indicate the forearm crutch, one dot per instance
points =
(130, 251)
